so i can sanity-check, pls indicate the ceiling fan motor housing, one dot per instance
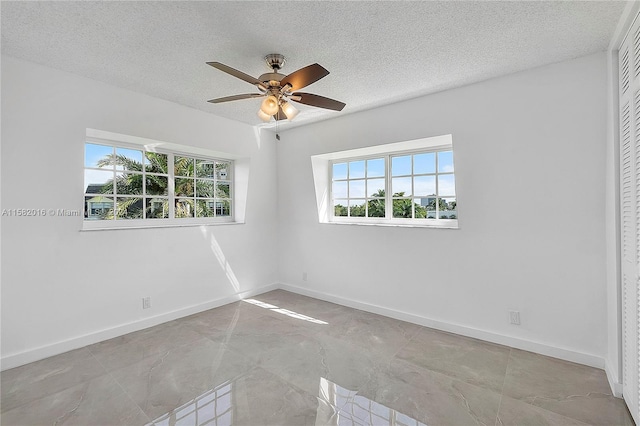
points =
(271, 79)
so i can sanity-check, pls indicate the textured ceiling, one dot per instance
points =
(377, 52)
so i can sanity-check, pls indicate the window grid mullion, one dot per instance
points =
(413, 191)
(144, 184)
(388, 198)
(366, 188)
(437, 191)
(172, 185)
(348, 189)
(114, 170)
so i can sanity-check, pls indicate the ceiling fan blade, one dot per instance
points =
(235, 97)
(304, 76)
(317, 101)
(238, 74)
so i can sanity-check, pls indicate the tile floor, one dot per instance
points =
(285, 359)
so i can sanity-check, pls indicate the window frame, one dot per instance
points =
(149, 222)
(388, 219)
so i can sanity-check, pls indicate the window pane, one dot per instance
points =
(183, 166)
(424, 185)
(430, 205)
(446, 185)
(157, 185)
(155, 162)
(98, 207)
(401, 186)
(448, 208)
(204, 188)
(340, 207)
(375, 167)
(223, 170)
(401, 165)
(184, 187)
(223, 208)
(208, 412)
(420, 210)
(128, 183)
(129, 208)
(402, 208)
(340, 189)
(356, 169)
(424, 163)
(98, 182)
(376, 208)
(205, 168)
(356, 208)
(340, 171)
(97, 156)
(223, 190)
(128, 159)
(375, 187)
(225, 419)
(157, 208)
(445, 161)
(206, 208)
(184, 207)
(356, 189)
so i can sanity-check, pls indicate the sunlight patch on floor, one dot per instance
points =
(286, 312)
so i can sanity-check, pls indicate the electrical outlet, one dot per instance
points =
(146, 302)
(304, 276)
(514, 317)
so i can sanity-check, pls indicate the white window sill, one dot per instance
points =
(156, 226)
(442, 225)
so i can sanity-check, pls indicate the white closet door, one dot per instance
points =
(629, 90)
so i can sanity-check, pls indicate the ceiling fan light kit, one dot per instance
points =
(278, 89)
(289, 110)
(264, 116)
(269, 105)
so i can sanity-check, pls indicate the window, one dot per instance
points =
(404, 187)
(130, 185)
(202, 187)
(423, 186)
(359, 188)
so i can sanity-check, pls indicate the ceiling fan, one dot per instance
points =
(278, 89)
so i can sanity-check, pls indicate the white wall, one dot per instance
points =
(62, 288)
(523, 143)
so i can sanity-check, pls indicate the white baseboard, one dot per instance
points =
(614, 379)
(514, 342)
(36, 354)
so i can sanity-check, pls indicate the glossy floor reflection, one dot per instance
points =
(285, 359)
